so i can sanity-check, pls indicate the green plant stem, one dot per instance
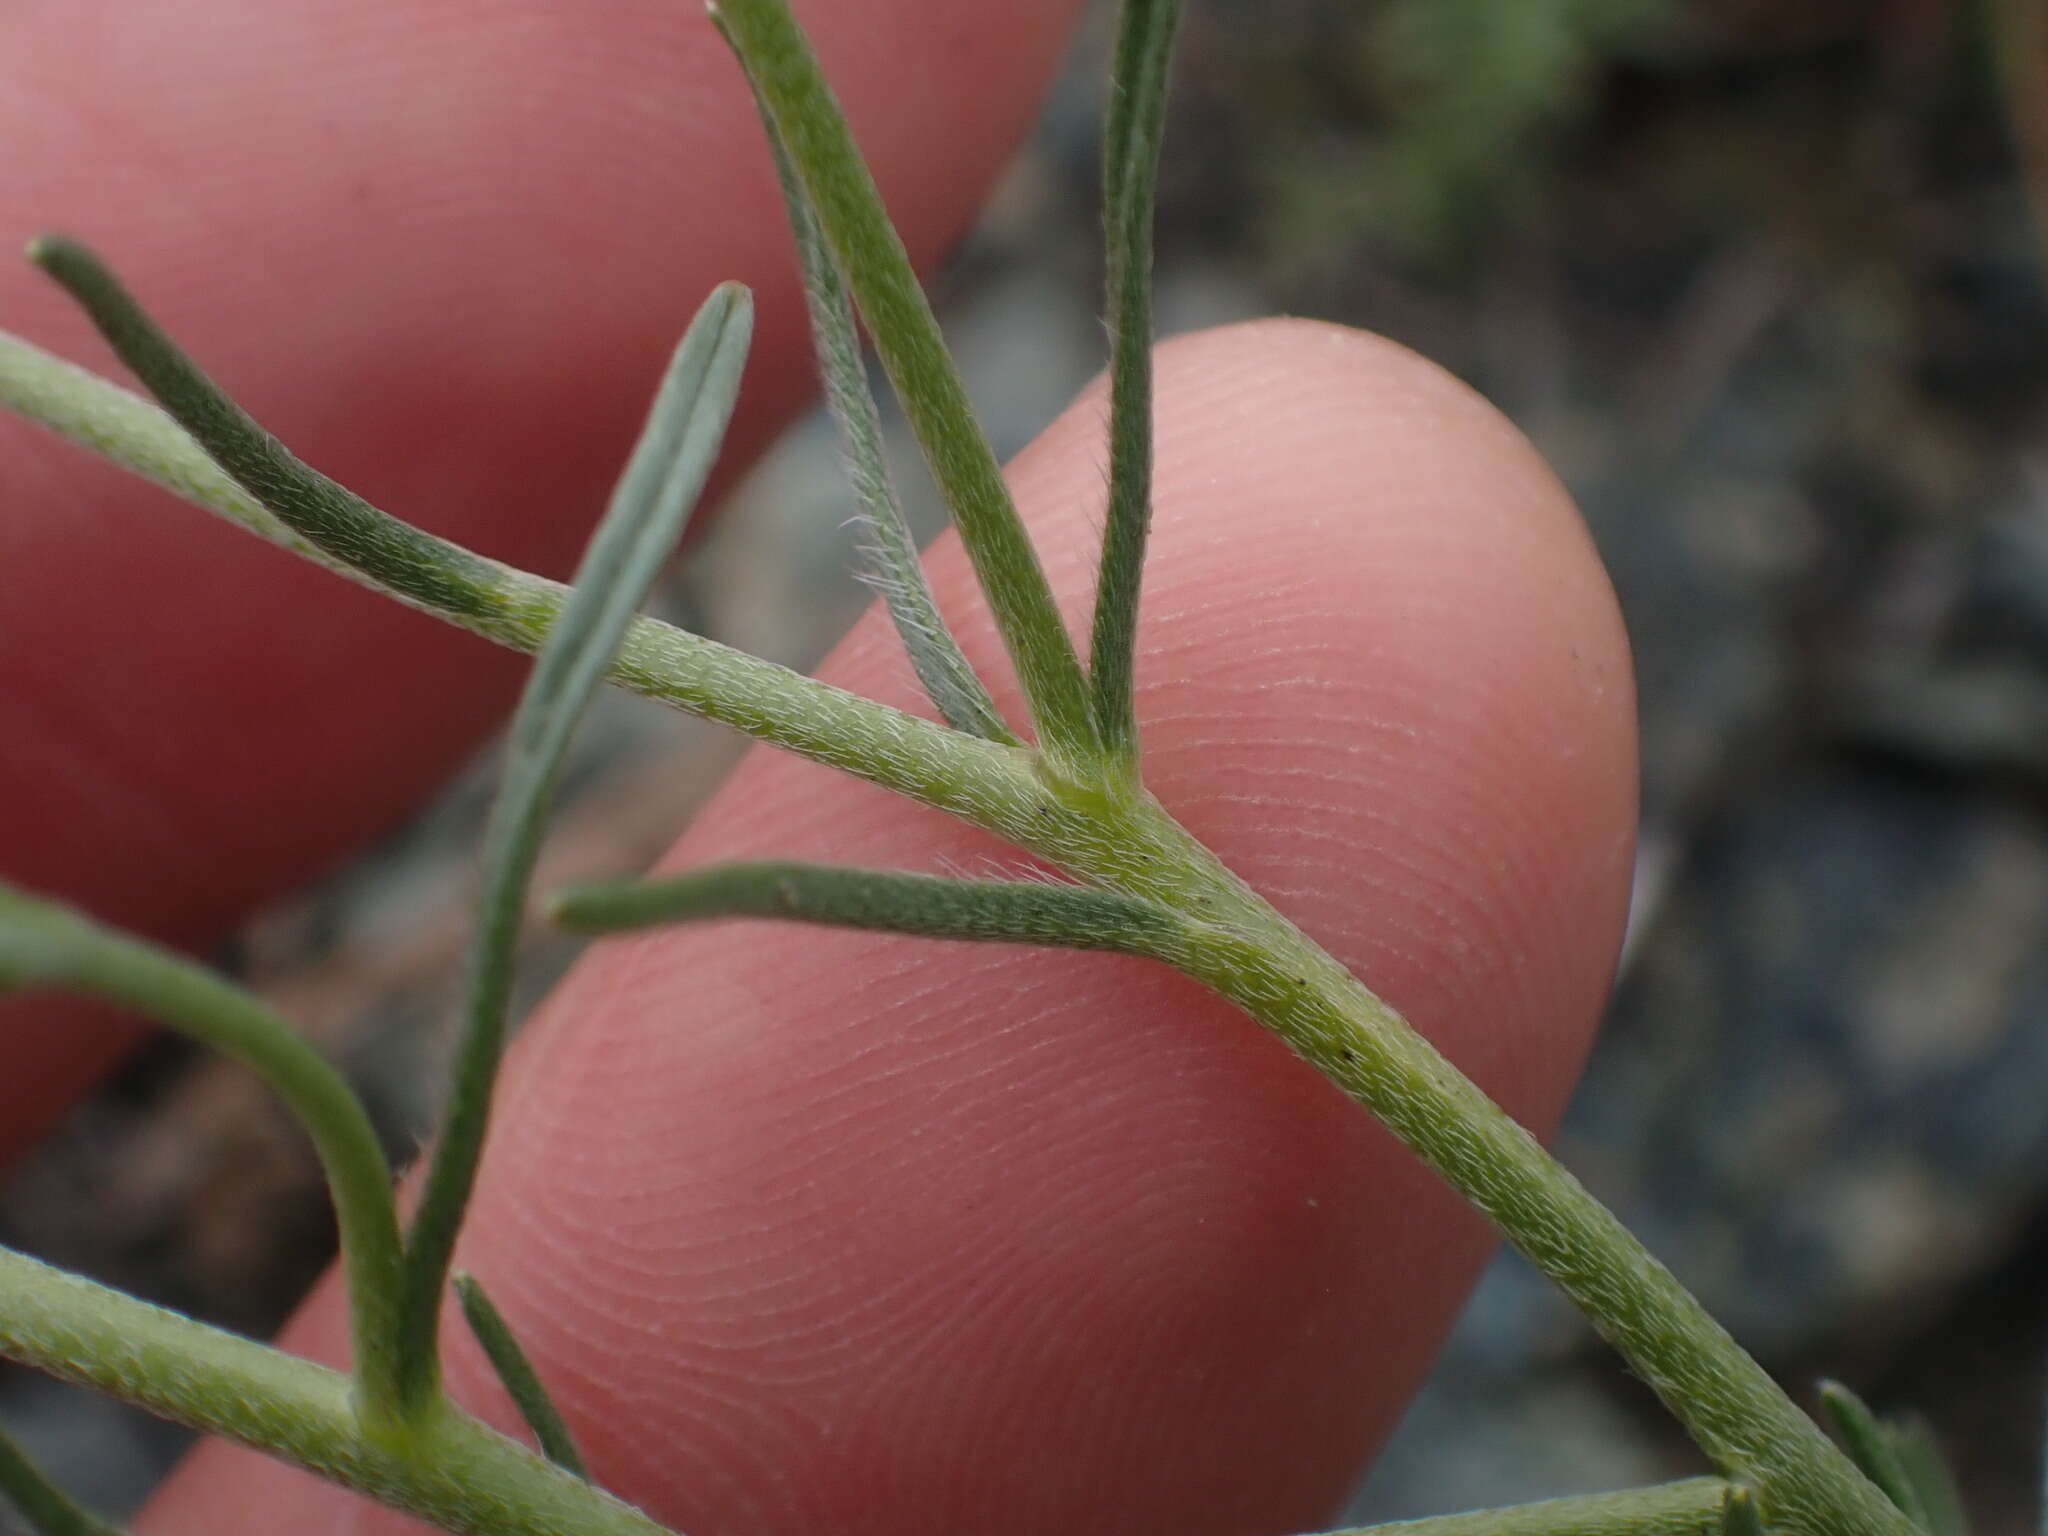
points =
(454, 1471)
(48, 1508)
(516, 1373)
(849, 211)
(1130, 171)
(1125, 842)
(47, 945)
(1255, 957)
(514, 608)
(1688, 1508)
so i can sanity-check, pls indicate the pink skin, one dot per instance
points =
(818, 1231)
(442, 250)
(821, 1231)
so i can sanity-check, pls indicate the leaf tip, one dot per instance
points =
(54, 252)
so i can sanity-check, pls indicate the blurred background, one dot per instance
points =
(1766, 284)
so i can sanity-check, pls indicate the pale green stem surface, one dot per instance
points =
(451, 1470)
(849, 211)
(1689, 1508)
(46, 945)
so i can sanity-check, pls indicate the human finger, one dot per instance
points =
(814, 1230)
(442, 252)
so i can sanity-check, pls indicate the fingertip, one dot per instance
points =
(820, 1230)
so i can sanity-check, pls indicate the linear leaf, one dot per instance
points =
(949, 680)
(515, 608)
(515, 1371)
(44, 944)
(886, 901)
(443, 576)
(1927, 1468)
(850, 213)
(655, 496)
(1130, 170)
(1870, 1446)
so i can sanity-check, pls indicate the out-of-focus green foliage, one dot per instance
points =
(1461, 88)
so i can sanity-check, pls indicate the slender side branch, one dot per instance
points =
(43, 944)
(514, 608)
(516, 1373)
(850, 212)
(1689, 1508)
(455, 1473)
(898, 574)
(1130, 169)
(885, 901)
(656, 495)
(48, 1508)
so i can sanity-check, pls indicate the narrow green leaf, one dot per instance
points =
(885, 901)
(1927, 1468)
(655, 496)
(46, 1507)
(1688, 1508)
(44, 944)
(515, 608)
(439, 574)
(1739, 1513)
(850, 213)
(1130, 170)
(515, 1370)
(897, 572)
(453, 1472)
(1870, 1447)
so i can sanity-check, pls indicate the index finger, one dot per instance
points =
(441, 251)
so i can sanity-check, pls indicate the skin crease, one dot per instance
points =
(485, 222)
(819, 1231)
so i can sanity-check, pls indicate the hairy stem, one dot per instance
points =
(1689, 1508)
(1130, 169)
(850, 214)
(1259, 960)
(45, 944)
(454, 1471)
